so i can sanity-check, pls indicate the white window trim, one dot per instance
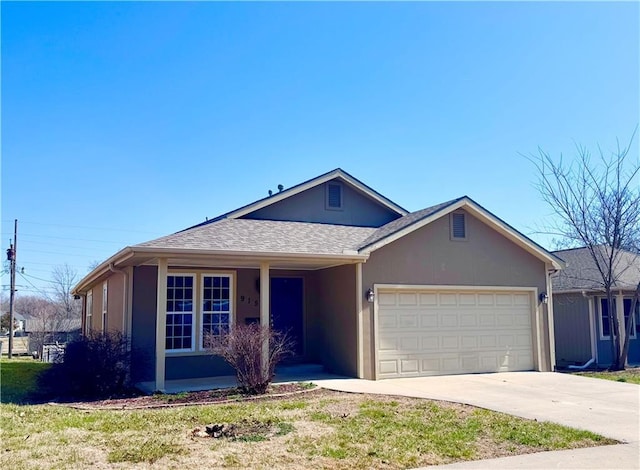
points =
(105, 304)
(326, 197)
(194, 316)
(466, 228)
(201, 310)
(89, 313)
(633, 324)
(600, 325)
(633, 318)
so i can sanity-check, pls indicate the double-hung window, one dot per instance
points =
(89, 313)
(217, 299)
(105, 305)
(605, 330)
(198, 305)
(180, 325)
(631, 316)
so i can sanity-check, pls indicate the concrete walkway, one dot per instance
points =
(609, 408)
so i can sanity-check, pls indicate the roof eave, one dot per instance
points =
(102, 269)
(158, 252)
(266, 255)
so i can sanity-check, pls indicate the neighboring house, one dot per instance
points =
(581, 313)
(46, 330)
(365, 287)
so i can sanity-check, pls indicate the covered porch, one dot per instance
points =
(317, 300)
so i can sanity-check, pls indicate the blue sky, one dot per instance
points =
(126, 121)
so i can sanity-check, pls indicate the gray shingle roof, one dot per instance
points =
(582, 273)
(403, 222)
(266, 236)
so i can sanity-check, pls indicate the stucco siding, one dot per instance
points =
(309, 206)
(334, 320)
(571, 329)
(202, 365)
(115, 302)
(143, 323)
(428, 256)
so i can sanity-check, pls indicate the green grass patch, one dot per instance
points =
(631, 376)
(19, 379)
(342, 431)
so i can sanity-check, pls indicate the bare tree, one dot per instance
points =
(64, 278)
(597, 205)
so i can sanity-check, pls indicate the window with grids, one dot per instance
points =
(179, 328)
(216, 304)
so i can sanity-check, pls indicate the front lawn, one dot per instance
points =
(630, 375)
(317, 429)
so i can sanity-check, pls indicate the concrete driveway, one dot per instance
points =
(609, 408)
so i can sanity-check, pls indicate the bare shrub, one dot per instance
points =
(94, 366)
(241, 347)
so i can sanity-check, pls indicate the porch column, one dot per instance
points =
(264, 308)
(360, 340)
(161, 322)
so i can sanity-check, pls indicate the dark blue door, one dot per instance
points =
(286, 308)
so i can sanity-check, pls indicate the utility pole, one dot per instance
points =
(11, 256)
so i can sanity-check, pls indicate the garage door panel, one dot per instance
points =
(387, 299)
(424, 333)
(408, 320)
(448, 320)
(408, 299)
(409, 366)
(447, 300)
(468, 319)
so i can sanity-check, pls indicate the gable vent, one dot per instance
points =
(334, 196)
(458, 227)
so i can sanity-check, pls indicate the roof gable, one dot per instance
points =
(337, 175)
(411, 222)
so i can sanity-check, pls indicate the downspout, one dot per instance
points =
(583, 366)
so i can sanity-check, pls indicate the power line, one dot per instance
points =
(38, 278)
(34, 286)
(87, 227)
(31, 235)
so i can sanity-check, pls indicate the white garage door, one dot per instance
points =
(425, 332)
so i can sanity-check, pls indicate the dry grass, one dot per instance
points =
(320, 429)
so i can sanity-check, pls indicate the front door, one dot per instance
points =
(287, 307)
